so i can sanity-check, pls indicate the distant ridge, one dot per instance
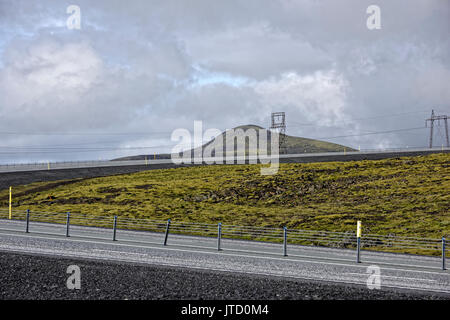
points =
(293, 145)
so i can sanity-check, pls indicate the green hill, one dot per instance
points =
(407, 196)
(292, 145)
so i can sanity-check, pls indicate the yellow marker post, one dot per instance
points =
(48, 165)
(358, 229)
(345, 151)
(358, 242)
(146, 162)
(10, 203)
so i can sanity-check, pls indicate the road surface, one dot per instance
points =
(417, 273)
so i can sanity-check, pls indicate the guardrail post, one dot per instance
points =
(358, 250)
(358, 242)
(27, 228)
(67, 224)
(167, 232)
(285, 241)
(219, 235)
(443, 253)
(10, 203)
(114, 228)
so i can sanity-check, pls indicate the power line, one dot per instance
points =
(82, 133)
(75, 150)
(167, 132)
(44, 149)
(357, 119)
(371, 133)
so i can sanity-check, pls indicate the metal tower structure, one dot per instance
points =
(432, 119)
(279, 124)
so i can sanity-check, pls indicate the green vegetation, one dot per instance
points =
(407, 196)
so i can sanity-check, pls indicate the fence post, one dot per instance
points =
(358, 242)
(443, 253)
(167, 232)
(10, 203)
(67, 224)
(285, 241)
(219, 235)
(114, 228)
(27, 228)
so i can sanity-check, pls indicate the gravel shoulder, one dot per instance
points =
(24, 276)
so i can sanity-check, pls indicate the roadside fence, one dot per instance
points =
(114, 225)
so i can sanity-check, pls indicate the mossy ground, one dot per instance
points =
(407, 196)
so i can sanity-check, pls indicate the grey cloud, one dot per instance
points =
(134, 67)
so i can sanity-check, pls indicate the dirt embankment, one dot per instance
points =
(8, 179)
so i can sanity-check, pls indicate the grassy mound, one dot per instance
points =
(292, 145)
(405, 196)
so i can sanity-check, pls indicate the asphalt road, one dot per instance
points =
(406, 272)
(32, 276)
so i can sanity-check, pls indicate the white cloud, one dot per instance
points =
(319, 97)
(156, 66)
(49, 68)
(43, 82)
(255, 51)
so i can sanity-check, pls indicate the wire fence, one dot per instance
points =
(49, 165)
(405, 244)
(387, 243)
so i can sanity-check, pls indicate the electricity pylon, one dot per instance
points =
(279, 124)
(438, 118)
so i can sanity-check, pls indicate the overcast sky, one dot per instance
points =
(137, 70)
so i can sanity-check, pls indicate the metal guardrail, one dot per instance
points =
(114, 163)
(219, 231)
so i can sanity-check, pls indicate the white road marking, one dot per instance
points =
(385, 276)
